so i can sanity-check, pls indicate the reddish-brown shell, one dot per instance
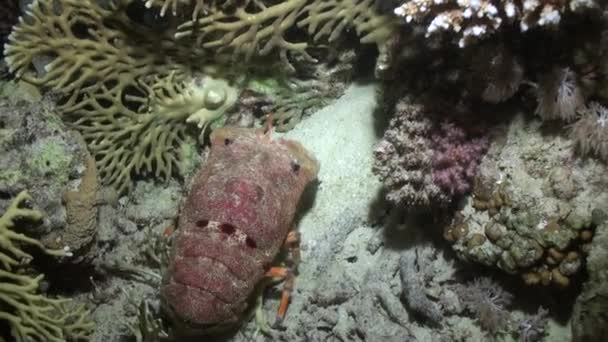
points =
(240, 208)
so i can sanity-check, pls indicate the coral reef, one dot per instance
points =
(590, 131)
(423, 162)
(131, 97)
(543, 233)
(81, 213)
(30, 314)
(473, 20)
(559, 95)
(258, 29)
(533, 328)
(487, 301)
(135, 118)
(38, 153)
(589, 319)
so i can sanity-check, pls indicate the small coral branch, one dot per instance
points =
(247, 33)
(34, 317)
(30, 315)
(164, 5)
(11, 254)
(197, 7)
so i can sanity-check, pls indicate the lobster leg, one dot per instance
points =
(292, 242)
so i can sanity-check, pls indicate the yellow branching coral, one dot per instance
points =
(124, 84)
(197, 7)
(259, 30)
(30, 315)
(11, 255)
(173, 4)
(146, 140)
(116, 78)
(248, 33)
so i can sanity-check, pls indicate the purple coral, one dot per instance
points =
(423, 163)
(456, 158)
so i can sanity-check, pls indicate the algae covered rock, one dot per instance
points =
(40, 154)
(531, 209)
(589, 322)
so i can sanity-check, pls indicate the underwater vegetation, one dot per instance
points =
(32, 315)
(132, 97)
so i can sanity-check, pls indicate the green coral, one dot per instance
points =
(30, 315)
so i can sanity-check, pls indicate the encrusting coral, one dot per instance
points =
(542, 234)
(30, 315)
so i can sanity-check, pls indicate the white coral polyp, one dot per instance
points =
(510, 10)
(549, 16)
(441, 21)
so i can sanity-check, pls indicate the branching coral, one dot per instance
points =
(30, 315)
(247, 32)
(11, 255)
(197, 6)
(474, 19)
(260, 30)
(146, 141)
(123, 90)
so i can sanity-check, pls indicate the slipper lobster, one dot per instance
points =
(234, 222)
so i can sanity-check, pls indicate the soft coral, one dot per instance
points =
(456, 158)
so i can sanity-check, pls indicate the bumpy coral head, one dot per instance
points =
(297, 159)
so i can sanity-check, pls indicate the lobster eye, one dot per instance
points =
(251, 243)
(227, 141)
(295, 167)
